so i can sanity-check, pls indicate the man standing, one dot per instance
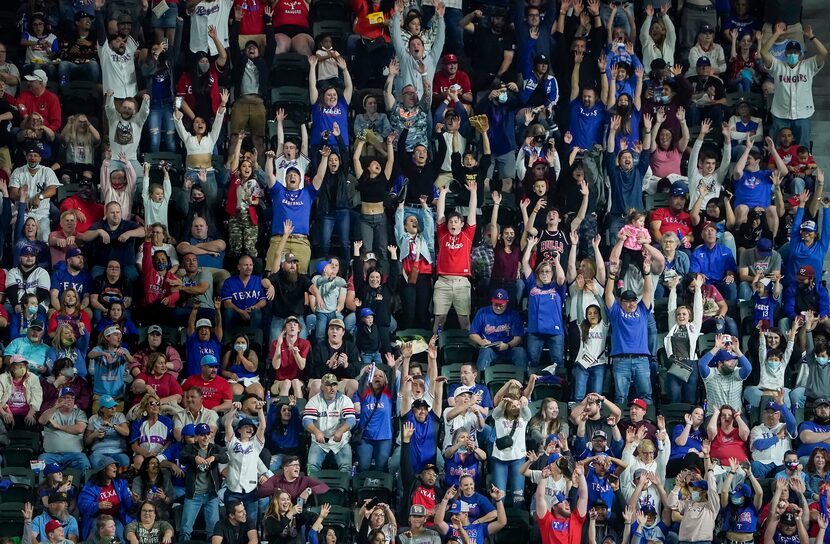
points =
(194, 413)
(114, 237)
(124, 128)
(202, 481)
(329, 417)
(498, 332)
(290, 290)
(38, 184)
(559, 523)
(724, 385)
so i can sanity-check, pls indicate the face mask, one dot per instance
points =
(161, 266)
(737, 501)
(662, 99)
(202, 68)
(773, 366)
(68, 372)
(32, 309)
(695, 496)
(462, 449)
(19, 372)
(240, 347)
(502, 97)
(32, 164)
(66, 343)
(792, 58)
(792, 466)
(822, 361)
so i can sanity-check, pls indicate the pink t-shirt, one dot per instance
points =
(664, 163)
(633, 234)
(17, 401)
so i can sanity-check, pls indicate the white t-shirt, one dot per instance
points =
(467, 420)
(503, 427)
(243, 458)
(37, 183)
(207, 14)
(118, 71)
(793, 98)
(281, 164)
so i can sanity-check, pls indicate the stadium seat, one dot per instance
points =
(339, 485)
(517, 529)
(339, 518)
(290, 69)
(373, 484)
(497, 375)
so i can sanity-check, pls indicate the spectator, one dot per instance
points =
(149, 528)
(681, 342)
(334, 355)
(770, 440)
(292, 481)
(105, 433)
(20, 412)
(63, 374)
(243, 451)
(330, 434)
(374, 409)
(215, 390)
(203, 480)
(37, 99)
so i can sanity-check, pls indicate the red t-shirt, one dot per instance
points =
(442, 82)
(288, 369)
(726, 445)
(454, 251)
(787, 154)
(561, 531)
(425, 496)
(290, 13)
(93, 212)
(214, 392)
(252, 22)
(108, 494)
(680, 223)
(48, 105)
(164, 386)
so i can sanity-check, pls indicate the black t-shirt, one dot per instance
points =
(110, 292)
(234, 534)
(700, 84)
(289, 298)
(490, 48)
(322, 352)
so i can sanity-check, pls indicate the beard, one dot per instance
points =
(291, 275)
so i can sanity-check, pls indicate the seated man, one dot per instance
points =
(498, 331)
(334, 355)
(236, 528)
(243, 297)
(63, 433)
(56, 510)
(771, 439)
(806, 295)
(30, 347)
(329, 418)
(216, 391)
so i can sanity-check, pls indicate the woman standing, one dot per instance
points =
(510, 418)
(379, 518)
(284, 429)
(592, 358)
(374, 406)
(507, 254)
(417, 245)
(105, 493)
(681, 342)
(334, 202)
(149, 528)
(373, 184)
(109, 360)
(244, 447)
(328, 107)
(657, 36)
(728, 434)
(544, 310)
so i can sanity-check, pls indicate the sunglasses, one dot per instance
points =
(154, 403)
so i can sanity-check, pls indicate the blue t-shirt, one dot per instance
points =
(293, 205)
(476, 505)
(243, 296)
(748, 23)
(423, 443)
(804, 450)
(475, 532)
(109, 376)
(629, 332)
(544, 307)
(495, 327)
(754, 189)
(695, 440)
(740, 126)
(740, 519)
(196, 349)
(763, 308)
(586, 124)
(207, 260)
(456, 467)
(598, 488)
(284, 437)
(375, 414)
(323, 119)
(62, 280)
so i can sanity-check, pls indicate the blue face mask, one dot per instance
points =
(773, 366)
(822, 361)
(737, 501)
(33, 309)
(502, 97)
(696, 495)
(792, 58)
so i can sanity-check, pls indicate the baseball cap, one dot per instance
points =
(794, 45)
(772, 406)
(202, 429)
(125, 18)
(290, 258)
(807, 271)
(66, 391)
(112, 329)
(455, 507)
(462, 390)
(599, 433)
(246, 422)
(249, 43)
(628, 294)
(204, 322)
(418, 509)
(449, 58)
(37, 75)
(189, 430)
(73, 252)
(329, 379)
(52, 468)
(500, 296)
(209, 360)
(28, 249)
(822, 400)
(794, 202)
(809, 226)
(366, 312)
(678, 188)
(558, 497)
(154, 329)
(764, 246)
(704, 61)
(706, 29)
(709, 224)
(337, 323)
(541, 59)
(53, 525)
(787, 518)
(36, 324)
(742, 490)
(58, 496)
(420, 403)
(639, 403)
(17, 358)
(293, 318)
(293, 169)
(430, 466)
(106, 401)
(648, 508)
(700, 484)
(321, 266)
(370, 256)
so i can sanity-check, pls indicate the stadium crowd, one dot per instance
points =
(412, 271)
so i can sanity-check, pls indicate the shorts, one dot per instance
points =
(248, 113)
(292, 30)
(258, 38)
(451, 292)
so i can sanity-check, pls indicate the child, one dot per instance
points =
(802, 167)
(367, 337)
(328, 74)
(28, 311)
(773, 368)
(636, 234)
(110, 360)
(118, 184)
(765, 299)
(332, 299)
(156, 197)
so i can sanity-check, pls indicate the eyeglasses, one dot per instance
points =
(154, 403)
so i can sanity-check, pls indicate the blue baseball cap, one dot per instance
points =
(66, 391)
(500, 296)
(190, 430)
(322, 266)
(202, 429)
(700, 484)
(679, 188)
(366, 312)
(209, 360)
(52, 468)
(106, 401)
(742, 490)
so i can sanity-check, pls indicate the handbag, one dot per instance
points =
(507, 441)
(357, 432)
(681, 369)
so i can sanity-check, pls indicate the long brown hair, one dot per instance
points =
(585, 326)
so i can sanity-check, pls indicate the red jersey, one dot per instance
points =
(557, 530)
(290, 13)
(47, 105)
(454, 251)
(93, 211)
(252, 22)
(787, 154)
(679, 223)
(184, 88)
(442, 82)
(726, 445)
(214, 392)
(288, 369)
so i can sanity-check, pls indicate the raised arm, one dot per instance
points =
(313, 95)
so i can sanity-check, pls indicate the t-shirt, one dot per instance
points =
(214, 392)
(754, 189)
(556, 530)
(806, 449)
(494, 327)
(454, 251)
(679, 223)
(109, 494)
(196, 349)
(55, 440)
(323, 119)
(153, 535)
(234, 534)
(586, 124)
(476, 532)
(293, 205)
(375, 414)
(115, 250)
(629, 331)
(289, 298)
(62, 280)
(544, 310)
(241, 295)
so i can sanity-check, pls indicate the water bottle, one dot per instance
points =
(267, 399)
(354, 470)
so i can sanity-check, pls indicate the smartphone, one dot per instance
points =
(164, 42)
(69, 478)
(178, 102)
(372, 503)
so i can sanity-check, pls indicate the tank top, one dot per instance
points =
(290, 13)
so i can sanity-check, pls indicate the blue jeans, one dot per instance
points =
(797, 398)
(764, 470)
(321, 322)
(517, 356)
(160, 122)
(373, 450)
(588, 380)
(371, 357)
(729, 291)
(231, 319)
(121, 458)
(753, 396)
(250, 500)
(206, 503)
(508, 473)
(680, 391)
(68, 459)
(801, 128)
(554, 342)
(316, 456)
(631, 370)
(278, 323)
(339, 221)
(69, 71)
(726, 325)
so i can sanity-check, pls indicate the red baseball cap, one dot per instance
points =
(449, 58)
(639, 403)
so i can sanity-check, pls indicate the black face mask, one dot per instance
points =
(822, 420)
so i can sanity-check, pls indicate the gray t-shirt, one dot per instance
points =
(428, 536)
(112, 441)
(329, 291)
(57, 441)
(202, 481)
(761, 264)
(152, 535)
(201, 276)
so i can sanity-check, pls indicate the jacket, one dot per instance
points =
(791, 296)
(34, 392)
(380, 299)
(187, 457)
(88, 504)
(693, 328)
(424, 245)
(800, 254)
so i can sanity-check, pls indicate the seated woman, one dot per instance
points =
(20, 395)
(729, 435)
(69, 310)
(284, 521)
(149, 528)
(106, 432)
(380, 518)
(283, 431)
(105, 493)
(34, 132)
(686, 437)
(240, 367)
(545, 422)
(64, 374)
(109, 288)
(151, 435)
(65, 345)
(157, 380)
(462, 458)
(815, 472)
(155, 343)
(154, 485)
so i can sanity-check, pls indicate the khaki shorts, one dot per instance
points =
(298, 245)
(451, 292)
(248, 113)
(258, 38)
